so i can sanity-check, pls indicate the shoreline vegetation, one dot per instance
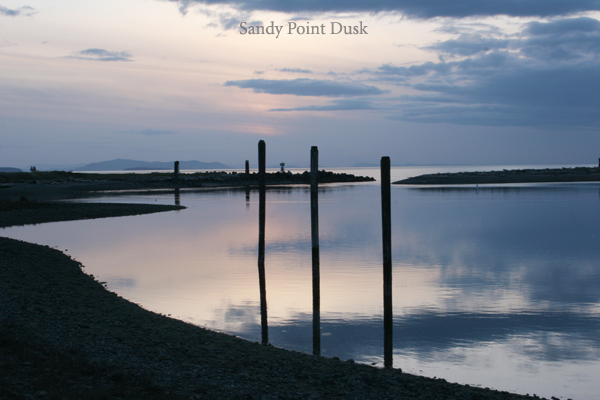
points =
(64, 336)
(577, 174)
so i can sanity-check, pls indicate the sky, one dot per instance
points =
(422, 81)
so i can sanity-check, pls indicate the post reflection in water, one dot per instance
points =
(261, 241)
(386, 217)
(314, 227)
(177, 197)
(500, 284)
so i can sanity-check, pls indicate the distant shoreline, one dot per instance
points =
(60, 184)
(547, 175)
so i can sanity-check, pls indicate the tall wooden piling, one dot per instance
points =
(261, 241)
(247, 187)
(386, 216)
(314, 225)
(176, 171)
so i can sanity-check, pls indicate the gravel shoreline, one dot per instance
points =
(64, 336)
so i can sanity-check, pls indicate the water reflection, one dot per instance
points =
(493, 286)
(262, 201)
(316, 259)
(557, 335)
(386, 211)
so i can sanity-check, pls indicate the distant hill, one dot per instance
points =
(8, 169)
(128, 165)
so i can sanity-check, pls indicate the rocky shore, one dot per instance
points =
(578, 174)
(64, 336)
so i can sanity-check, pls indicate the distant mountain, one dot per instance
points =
(128, 165)
(8, 169)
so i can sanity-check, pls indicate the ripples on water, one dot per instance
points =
(495, 285)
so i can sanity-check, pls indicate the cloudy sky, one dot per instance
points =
(422, 81)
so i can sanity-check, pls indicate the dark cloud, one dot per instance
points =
(457, 27)
(230, 21)
(227, 20)
(306, 87)
(468, 45)
(570, 38)
(413, 8)
(335, 105)
(566, 25)
(295, 70)
(102, 55)
(301, 18)
(413, 70)
(22, 11)
(549, 75)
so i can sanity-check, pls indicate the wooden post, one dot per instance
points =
(314, 225)
(247, 187)
(176, 170)
(386, 216)
(261, 241)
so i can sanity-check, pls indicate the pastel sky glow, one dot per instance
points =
(429, 82)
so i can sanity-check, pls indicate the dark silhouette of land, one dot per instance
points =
(60, 184)
(577, 174)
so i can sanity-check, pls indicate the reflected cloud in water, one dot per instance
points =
(492, 285)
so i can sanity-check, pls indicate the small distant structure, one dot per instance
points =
(282, 165)
(32, 168)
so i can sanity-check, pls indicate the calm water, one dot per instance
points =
(497, 286)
